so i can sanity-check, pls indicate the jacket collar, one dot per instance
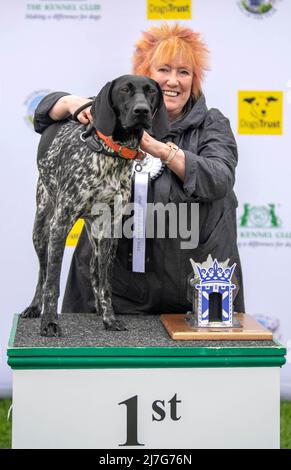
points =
(192, 117)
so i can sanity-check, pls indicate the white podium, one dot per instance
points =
(135, 395)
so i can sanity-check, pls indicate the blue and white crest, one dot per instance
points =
(215, 303)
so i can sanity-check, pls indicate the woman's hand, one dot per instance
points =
(160, 150)
(67, 105)
(154, 147)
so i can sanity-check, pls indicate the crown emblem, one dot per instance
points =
(215, 273)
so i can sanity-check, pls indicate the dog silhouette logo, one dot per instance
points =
(260, 112)
(260, 105)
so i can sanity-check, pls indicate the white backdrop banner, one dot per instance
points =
(77, 46)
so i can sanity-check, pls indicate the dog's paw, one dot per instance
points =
(50, 329)
(114, 325)
(31, 312)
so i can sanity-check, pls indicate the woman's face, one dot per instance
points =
(175, 80)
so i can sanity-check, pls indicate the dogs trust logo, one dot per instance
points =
(260, 112)
(258, 8)
(74, 234)
(169, 10)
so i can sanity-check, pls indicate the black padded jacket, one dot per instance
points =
(210, 149)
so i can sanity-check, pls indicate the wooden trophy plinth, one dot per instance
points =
(179, 328)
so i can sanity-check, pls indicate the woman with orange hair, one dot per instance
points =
(200, 170)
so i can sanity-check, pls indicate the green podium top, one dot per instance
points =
(146, 344)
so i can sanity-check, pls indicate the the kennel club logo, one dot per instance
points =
(259, 217)
(31, 103)
(264, 226)
(260, 112)
(258, 8)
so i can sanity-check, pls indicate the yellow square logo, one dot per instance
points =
(169, 10)
(73, 237)
(260, 112)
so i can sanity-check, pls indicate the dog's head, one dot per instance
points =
(133, 102)
(259, 105)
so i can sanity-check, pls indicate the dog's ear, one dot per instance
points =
(249, 100)
(160, 124)
(271, 98)
(104, 117)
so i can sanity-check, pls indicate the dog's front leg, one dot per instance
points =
(59, 229)
(103, 254)
(107, 249)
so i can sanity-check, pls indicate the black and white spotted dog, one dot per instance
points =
(78, 170)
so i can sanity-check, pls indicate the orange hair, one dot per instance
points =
(160, 44)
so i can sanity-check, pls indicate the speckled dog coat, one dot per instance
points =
(73, 178)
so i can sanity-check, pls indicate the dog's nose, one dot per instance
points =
(141, 111)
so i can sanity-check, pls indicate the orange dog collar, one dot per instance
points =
(122, 151)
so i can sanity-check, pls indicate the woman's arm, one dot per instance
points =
(58, 106)
(210, 174)
(67, 105)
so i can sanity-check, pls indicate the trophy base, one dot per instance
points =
(245, 327)
(193, 322)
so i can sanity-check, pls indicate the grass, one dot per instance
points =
(285, 424)
(5, 426)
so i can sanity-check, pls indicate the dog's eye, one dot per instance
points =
(152, 90)
(125, 89)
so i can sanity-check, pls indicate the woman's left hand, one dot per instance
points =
(161, 150)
